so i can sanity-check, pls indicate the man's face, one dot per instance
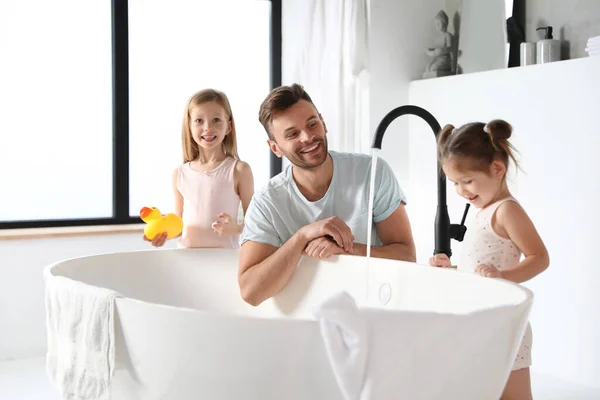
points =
(300, 135)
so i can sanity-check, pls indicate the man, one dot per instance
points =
(319, 205)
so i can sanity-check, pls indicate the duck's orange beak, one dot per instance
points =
(145, 211)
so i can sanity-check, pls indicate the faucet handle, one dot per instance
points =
(457, 231)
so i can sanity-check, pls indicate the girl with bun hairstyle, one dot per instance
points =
(501, 241)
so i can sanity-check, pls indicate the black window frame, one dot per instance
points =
(120, 120)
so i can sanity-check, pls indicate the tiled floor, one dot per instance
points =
(26, 380)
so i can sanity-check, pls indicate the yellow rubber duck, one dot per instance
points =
(156, 223)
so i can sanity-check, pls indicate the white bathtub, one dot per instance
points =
(183, 331)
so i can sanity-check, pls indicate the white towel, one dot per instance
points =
(593, 41)
(344, 332)
(593, 50)
(80, 335)
(592, 47)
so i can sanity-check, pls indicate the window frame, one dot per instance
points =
(120, 120)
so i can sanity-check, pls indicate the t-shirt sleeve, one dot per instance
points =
(388, 194)
(258, 226)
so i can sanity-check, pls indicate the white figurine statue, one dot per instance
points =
(441, 65)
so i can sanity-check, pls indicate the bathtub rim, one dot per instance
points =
(48, 274)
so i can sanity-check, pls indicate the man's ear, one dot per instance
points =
(323, 122)
(274, 147)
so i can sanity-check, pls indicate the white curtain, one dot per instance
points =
(332, 67)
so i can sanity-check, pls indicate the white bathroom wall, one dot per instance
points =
(22, 312)
(553, 109)
(572, 25)
(399, 34)
(397, 46)
(293, 30)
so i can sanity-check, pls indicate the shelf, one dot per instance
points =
(563, 65)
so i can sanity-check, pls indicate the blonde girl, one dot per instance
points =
(212, 181)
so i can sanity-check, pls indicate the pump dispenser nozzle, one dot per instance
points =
(548, 34)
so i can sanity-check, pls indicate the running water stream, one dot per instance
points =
(371, 197)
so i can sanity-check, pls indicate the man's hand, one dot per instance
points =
(323, 248)
(334, 227)
(440, 260)
(264, 270)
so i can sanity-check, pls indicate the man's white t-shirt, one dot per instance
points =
(279, 209)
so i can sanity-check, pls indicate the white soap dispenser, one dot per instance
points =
(548, 48)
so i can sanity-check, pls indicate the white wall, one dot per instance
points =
(399, 34)
(554, 111)
(397, 55)
(22, 312)
(294, 13)
(572, 25)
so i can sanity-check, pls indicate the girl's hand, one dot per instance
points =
(440, 260)
(225, 226)
(159, 240)
(323, 248)
(488, 270)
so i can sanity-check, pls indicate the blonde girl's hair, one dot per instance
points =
(190, 147)
(476, 145)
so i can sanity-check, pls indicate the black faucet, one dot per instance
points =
(444, 230)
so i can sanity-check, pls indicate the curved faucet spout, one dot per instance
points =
(444, 231)
(433, 124)
(398, 112)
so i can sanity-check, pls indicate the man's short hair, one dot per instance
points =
(280, 99)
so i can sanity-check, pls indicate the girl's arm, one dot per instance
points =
(245, 186)
(178, 198)
(177, 195)
(513, 222)
(245, 183)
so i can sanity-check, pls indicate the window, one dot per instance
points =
(55, 97)
(91, 126)
(177, 50)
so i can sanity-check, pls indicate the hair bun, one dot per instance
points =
(444, 134)
(499, 129)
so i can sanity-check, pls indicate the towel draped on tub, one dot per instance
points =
(80, 336)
